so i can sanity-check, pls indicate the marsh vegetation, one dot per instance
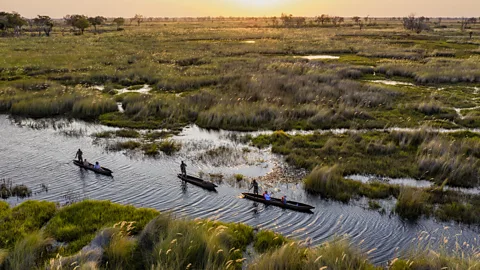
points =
(113, 236)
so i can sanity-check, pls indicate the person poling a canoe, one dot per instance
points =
(79, 155)
(254, 185)
(183, 168)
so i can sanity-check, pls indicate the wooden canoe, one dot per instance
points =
(198, 182)
(103, 170)
(301, 207)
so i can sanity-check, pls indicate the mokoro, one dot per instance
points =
(103, 171)
(198, 182)
(301, 207)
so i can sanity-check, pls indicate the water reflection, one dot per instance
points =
(153, 183)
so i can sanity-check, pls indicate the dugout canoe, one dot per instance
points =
(292, 205)
(103, 170)
(198, 182)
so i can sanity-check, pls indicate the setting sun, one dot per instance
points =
(259, 3)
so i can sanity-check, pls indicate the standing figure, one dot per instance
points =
(183, 168)
(254, 185)
(79, 155)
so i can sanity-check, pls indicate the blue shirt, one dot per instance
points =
(267, 197)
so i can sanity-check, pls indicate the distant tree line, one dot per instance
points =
(13, 22)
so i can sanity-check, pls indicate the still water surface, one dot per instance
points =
(36, 156)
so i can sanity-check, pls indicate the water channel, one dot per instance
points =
(37, 153)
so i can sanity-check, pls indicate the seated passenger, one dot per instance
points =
(85, 163)
(264, 193)
(284, 199)
(267, 197)
(97, 166)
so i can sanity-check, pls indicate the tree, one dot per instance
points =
(44, 23)
(82, 23)
(287, 20)
(77, 21)
(358, 21)
(99, 20)
(415, 24)
(337, 20)
(12, 20)
(138, 18)
(119, 21)
(324, 18)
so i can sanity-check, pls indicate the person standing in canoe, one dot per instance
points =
(79, 155)
(183, 168)
(254, 185)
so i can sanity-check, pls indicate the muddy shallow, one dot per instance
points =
(40, 153)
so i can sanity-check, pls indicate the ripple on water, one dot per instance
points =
(43, 156)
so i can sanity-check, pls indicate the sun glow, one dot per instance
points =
(259, 4)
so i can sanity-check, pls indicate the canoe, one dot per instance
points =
(301, 207)
(198, 182)
(103, 170)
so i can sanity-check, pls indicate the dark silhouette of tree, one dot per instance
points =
(337, 20)
(98, 20)
(12, 20)
(415, 24)
(138, 18)
(119, 21)
(77, 21)
(324, 18)
(44, 23)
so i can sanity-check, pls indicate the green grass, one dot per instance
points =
(29, 253)
(268, 240)
(77, 224)
(412, 203)
(169, 147)
(28, 217)
(142, 238)
(233, 85)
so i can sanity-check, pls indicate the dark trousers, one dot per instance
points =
(255, 190)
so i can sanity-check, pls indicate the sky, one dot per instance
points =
(197, 8)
